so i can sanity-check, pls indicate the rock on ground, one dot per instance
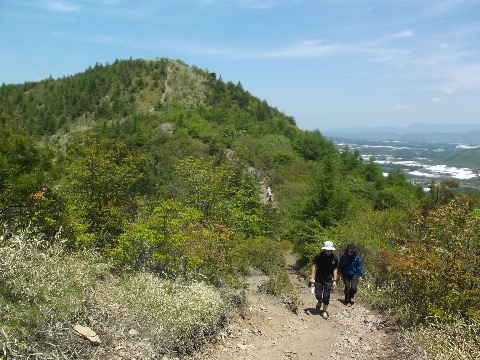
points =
(271, 331)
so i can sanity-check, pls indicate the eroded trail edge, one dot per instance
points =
(271, 331)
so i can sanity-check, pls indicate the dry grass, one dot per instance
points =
(45, 290)
(455, 339)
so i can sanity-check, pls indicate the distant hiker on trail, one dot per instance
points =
(324, 276)
(351, 269)
(269, 194)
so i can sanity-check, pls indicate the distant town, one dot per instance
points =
(421, 162)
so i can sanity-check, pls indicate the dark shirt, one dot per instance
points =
(325, 267)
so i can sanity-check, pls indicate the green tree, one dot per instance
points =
(152, 241)
(25, 176)
(313, 146)
(248, 217)
(328, 198)
(351, 160)
(174, 242)
(100, 189)
(373, 174)
(394, 196)
(205, 186)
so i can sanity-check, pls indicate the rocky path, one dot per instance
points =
(271, 331)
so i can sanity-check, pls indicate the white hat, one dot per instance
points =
(328, 245)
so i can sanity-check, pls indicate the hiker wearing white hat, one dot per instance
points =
(324, 276)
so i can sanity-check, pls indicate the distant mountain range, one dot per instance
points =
(467, 134)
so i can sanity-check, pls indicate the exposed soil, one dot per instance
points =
(270, 330)
(267, 330)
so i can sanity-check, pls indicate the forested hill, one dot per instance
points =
(153, 170)
(115, 92)
(164, 111)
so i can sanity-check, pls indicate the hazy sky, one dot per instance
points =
(329, 64)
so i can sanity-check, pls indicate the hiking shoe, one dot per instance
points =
(349, 304)
(325, 315)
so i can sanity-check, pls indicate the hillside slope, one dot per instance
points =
(465, 158)
(112, 92)
(149, 165)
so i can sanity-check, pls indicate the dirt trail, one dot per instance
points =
(271, 331)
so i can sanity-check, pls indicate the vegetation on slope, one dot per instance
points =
(465, 158)
(148, 175)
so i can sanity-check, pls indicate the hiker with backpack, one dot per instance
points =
(351, 270)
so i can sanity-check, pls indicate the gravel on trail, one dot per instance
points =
(271, 331)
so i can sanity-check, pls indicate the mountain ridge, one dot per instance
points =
(468, 134)
(413, 128)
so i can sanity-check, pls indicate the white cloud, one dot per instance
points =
(461, 78)
(401, 107)
(62, 6)
(403, 34)
(435, 100)
(308, 49)
(302, 49)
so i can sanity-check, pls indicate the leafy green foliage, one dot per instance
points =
(153, 242)
(436, 268)
(328, 200)
(205, 186)
(263, 254)
(26, 173)
(224, 193)
(313, 146)
(248, 216)
(395, 197)
(176, 242)
(169, 185)
(99, 188)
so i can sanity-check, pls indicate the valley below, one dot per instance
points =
(422, 162)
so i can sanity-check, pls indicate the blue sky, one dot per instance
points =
(329, 64)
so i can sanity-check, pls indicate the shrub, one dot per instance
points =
(436, 270)
(262, 253)
(457, 339)
(268, 256)
(41, 285)
(44, 290)
(180, 316)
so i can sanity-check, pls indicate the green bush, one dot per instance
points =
(262, 253)
(436, 270)
(266, 255)
(25, 174)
